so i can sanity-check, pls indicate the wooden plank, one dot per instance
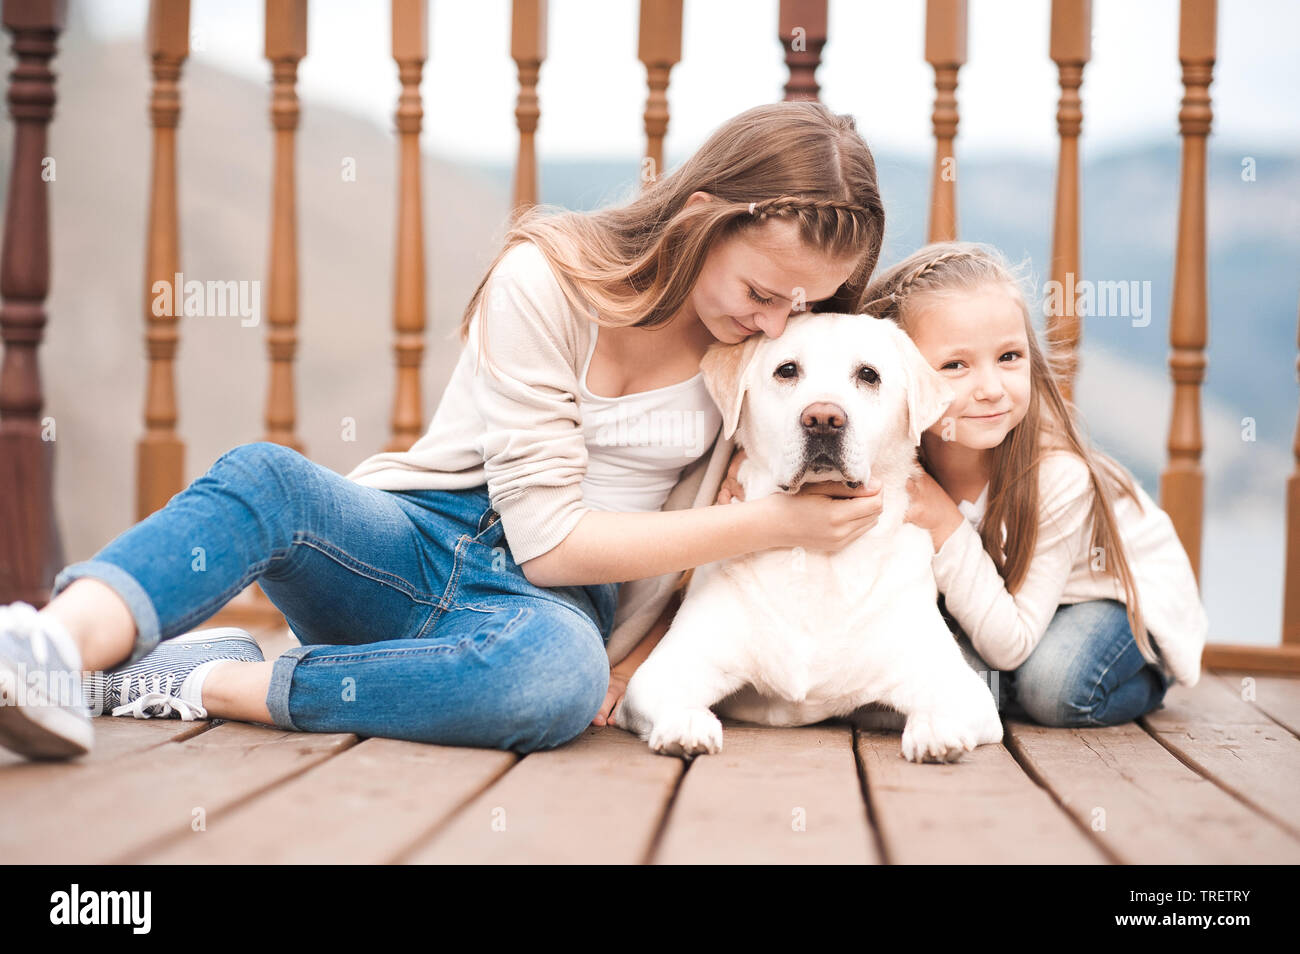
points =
(157, 794)
(783, 796)
(1234, 745)
(981, 810)
(1284, 659)
(597, 799)
(119, 736)
(1141, 804)
(1278, 697)
(114, 738)
(366, 805)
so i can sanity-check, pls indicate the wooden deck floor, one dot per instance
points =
(1210, 779)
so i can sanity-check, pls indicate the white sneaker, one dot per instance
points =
(43, 714)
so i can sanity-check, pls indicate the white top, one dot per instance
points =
(637, 444)
(974, 512)
(1005, 628)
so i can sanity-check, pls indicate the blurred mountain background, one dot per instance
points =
(93, 360)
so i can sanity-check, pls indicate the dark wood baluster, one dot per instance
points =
(528, 48)
(1182, 484)
(945, 50)
(1071, 47)
(31, 552)
(659, 46)
(160, 453)
(802, 26)
(410, 50)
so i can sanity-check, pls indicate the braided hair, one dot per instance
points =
(926, 271)
(797, 203)
(836, 224)
(1051, 422)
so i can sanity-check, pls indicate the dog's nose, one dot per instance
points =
(823, 418)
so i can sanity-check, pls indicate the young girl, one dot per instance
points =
(1054, 564)
(466, 591)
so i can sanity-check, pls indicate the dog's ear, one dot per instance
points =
(928, 394)
(726, 369)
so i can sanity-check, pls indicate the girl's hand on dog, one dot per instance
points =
(932, 509)
(825, 515)
(731, 489)
(730, 484)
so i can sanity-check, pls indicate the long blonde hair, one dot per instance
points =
(636, 263)
(945, 268)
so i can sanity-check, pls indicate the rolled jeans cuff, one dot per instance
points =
(277, 693)
(132, 593)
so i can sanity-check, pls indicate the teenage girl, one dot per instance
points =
(1054, 566)
(465, 591)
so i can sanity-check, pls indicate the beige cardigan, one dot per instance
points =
(1005, 628)
(516, 427)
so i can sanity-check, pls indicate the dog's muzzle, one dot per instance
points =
(824, 426)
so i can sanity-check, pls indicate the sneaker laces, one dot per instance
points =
(156, 700)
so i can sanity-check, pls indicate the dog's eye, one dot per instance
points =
(787, 371)
(868, 375)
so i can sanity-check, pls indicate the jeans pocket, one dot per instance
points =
(488, 530)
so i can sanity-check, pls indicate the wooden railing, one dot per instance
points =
(1071, 45)
(30, 553)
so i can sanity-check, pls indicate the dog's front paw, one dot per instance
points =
(687, 732)
(627, 717)
(930, 738)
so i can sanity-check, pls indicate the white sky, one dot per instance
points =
(592, 86)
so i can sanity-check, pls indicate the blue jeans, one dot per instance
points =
(415, 621)
(1085, 671)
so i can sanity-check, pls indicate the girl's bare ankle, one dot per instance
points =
(98, 620)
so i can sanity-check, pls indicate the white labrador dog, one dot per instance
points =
(792, 637)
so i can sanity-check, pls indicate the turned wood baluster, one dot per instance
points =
(31, 552)
(802, 26)
(410, 49)
(1291, 597)
(659, 47)
(528, 49)
(160, 453)
(286, 44)
(1071, 47)
(945, 50)
(1182, 484)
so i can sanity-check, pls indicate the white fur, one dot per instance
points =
(794, 636)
